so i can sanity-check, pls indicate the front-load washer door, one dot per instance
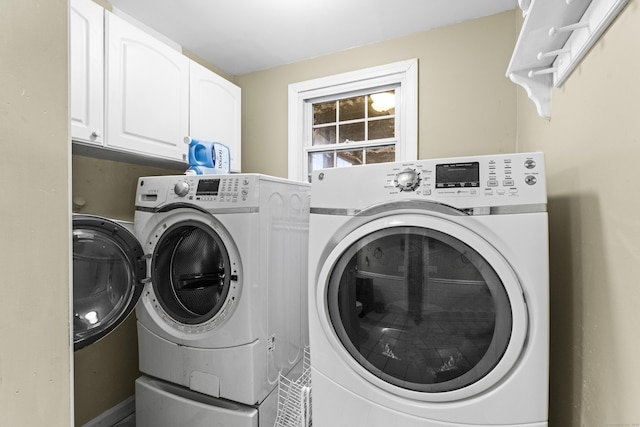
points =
(194, 270)
(423, 307)
(108, 275)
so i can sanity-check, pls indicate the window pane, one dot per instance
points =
(352, 132)
(379, 129)
(384, 154)
(382, 104)
(320, 161)
(324, 135)
(348, 158)
(352, 108)
(324, 113)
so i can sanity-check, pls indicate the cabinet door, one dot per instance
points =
(215, 111)
(147, 93)
(87, 71)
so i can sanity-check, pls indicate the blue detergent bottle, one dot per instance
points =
(207, 157)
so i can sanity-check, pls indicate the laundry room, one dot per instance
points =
(466, 106)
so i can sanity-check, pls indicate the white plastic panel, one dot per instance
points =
(162, 404)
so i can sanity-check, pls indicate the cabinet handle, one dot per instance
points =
(95, 134)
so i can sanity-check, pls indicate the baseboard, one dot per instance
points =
(111, 416)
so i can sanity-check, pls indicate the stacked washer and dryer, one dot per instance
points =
(429, 297)
(220, 270)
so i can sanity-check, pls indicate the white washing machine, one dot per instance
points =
(429, 299)
(224, 311)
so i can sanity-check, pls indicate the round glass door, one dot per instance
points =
(419, 309)
(191, 272)
(108, 273)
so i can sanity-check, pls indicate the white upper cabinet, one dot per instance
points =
(147, 93)
(215, 111)
(86, 71)
(134, 97)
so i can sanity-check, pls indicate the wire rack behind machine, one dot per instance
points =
(294, 398)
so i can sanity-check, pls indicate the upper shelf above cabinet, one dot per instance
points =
(555, 36)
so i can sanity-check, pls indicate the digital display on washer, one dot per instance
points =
(208, 187)
(455, 175)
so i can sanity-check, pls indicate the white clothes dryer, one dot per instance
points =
(428, 299)
(224, 311)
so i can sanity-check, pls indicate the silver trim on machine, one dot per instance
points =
(433, 207)
(173, 206)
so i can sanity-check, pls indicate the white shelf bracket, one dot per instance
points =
(555, 37)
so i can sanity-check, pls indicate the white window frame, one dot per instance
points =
(403, 73)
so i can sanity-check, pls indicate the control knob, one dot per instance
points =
(181, 188)
(407, 180)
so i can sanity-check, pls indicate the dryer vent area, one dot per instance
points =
(414, 318)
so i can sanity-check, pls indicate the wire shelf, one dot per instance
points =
(294, 398)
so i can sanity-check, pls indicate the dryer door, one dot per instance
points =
(423, 307)
(108, 274)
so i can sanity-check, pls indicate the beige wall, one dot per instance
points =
(466, 105)
(35, 340)
(592, 146)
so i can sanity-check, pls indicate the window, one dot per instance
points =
(362, 117)
(353, 131)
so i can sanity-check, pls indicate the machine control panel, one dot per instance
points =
(224, 189)
(481, 182)
(491, 176)
(461, 182)
(488, 176)
(207, 190)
